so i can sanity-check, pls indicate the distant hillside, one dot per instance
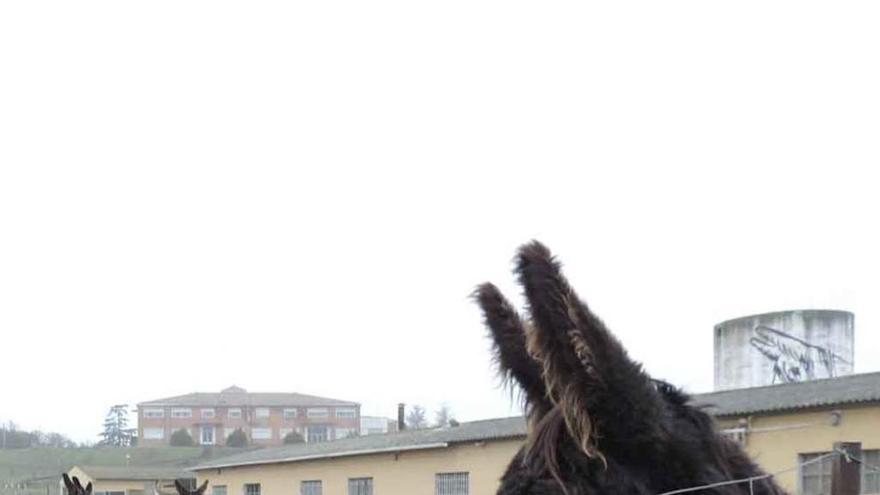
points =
(23, 464)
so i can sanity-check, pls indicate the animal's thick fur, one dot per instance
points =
(598, 424)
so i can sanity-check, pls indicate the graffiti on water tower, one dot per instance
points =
(794, 359)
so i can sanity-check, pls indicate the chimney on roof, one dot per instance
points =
(401, 420)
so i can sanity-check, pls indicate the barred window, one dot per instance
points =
(816, 477)
(360, 486)
(218, 490)
(312, 487)
(451, 484)
(870, 472)
(252, 489)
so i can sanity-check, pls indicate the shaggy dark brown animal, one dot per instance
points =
(598, 424)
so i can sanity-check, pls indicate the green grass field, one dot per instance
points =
(22, 464)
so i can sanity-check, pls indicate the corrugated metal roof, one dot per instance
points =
(475, 431)
(233, 399)
(138, 473)
(850, 389)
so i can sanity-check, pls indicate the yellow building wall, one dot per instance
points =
(407, 473)
(776, 441)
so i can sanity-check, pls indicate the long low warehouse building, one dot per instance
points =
(781, 426)
(467, 458)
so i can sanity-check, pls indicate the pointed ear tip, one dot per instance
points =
(533, 251)
(485, 292)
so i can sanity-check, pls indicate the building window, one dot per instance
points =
(218, 490)
(261, 433)
(360, 486)
(317, 412)
(262, 412)
(154, 433)
(289, 413)
(318, 434)
(345, 433)
(207, 435)
(346, 412)
(181, 413)
(207, 414)
(312, 487)
(451, 484)
(870, 474)
(154, 413)
(252, 489)
(815, 477)
(233, 414)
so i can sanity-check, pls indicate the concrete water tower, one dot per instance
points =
(783, 347)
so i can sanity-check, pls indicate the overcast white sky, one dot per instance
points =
(300, 196)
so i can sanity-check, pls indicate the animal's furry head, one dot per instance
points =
(597, 422)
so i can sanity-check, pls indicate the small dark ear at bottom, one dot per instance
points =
(89, 488)
(181, 490)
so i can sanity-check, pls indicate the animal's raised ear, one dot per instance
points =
(68, 483)
(181, 490)
(89, 488)
(586, 371)
(202, 488)
(509, 339)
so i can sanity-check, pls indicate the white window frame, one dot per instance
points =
(290, 413)
(204, 429)
(821, 470)
(219, 490)
(254, 435)
(457, 483)
(317, 412)
(325, 437)
(237, 412)
(346, 412)
(209, 413)
(154, 413)
(311, 487)
(181, 413)
(154, 433)
(262, 412)
(869, 475)
(246, 489)
(360, 486)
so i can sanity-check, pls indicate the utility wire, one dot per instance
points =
(752, 479)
